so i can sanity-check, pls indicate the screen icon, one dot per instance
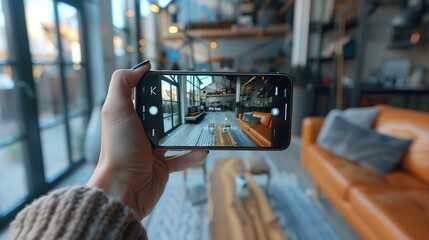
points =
(153, 110)
(152, 91)
(275, 111)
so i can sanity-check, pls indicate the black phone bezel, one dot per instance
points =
(289, 98)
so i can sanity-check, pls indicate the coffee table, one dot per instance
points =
(223, 136)
(235, 218)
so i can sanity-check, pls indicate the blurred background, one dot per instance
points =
(57, 56)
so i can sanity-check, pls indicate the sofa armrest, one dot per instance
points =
(310, 130)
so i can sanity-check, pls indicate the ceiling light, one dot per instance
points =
(213, 45)
(130, 13)
(154, 8)
(173, 29)
(130, 48)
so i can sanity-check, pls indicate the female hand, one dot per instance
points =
(128, 168)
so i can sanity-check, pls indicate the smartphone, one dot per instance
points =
(215, 110)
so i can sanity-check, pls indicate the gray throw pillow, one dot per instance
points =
(361, 145)
(255, 120)
(247, 116)
(363, 117)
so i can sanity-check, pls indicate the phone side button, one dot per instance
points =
(285, 111)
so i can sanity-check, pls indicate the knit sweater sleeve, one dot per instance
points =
(76, 213)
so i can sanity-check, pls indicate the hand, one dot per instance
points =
(128, 168)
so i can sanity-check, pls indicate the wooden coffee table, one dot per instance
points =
(235, 218)
(223, 136)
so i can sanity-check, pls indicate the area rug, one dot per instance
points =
(178, 217)
(297, 213)
(208, 139)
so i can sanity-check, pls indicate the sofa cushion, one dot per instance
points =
(332, 171)
(392, 213)
(262, 134)
(381, 153)
(408, 124)
(265, 118)
(403, 179)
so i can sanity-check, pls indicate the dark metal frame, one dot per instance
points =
(22, 65)
(177, 85)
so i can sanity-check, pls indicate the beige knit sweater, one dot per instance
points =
(76, 213)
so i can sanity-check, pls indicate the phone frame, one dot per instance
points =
(289, 97)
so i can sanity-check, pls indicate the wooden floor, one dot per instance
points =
(189, 133)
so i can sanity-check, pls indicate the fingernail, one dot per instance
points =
(141, 64)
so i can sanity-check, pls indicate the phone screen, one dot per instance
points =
(191, 110)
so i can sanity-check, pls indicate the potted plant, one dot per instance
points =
(303, 79)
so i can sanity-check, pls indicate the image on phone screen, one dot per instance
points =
(191, 110)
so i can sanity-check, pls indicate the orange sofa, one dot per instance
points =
(393, 206)
(259, 133)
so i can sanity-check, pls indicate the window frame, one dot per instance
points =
(21, 62)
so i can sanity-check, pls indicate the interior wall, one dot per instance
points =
(378, 39)
(377, 51)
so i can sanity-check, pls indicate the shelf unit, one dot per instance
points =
(353, 97)
(235, 32)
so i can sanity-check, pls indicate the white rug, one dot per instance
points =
(176, 217)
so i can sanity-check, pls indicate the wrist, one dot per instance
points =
(110, 182)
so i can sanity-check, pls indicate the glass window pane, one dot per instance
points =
(188, 87)
(49, 95)
(76, 89)
(174, 93)
(167, 124)
(70, 32)
(166, 108)
(3, 39)
(55, 154)
(9, 126)
(176, 119)
(175, 107)
(41, 28)
(13, 186)
(77, 134)
(166, 92)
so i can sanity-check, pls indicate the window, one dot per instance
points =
(59, 74)
(170, 105)
(52, 86)
(13, 187)
(193, 90)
